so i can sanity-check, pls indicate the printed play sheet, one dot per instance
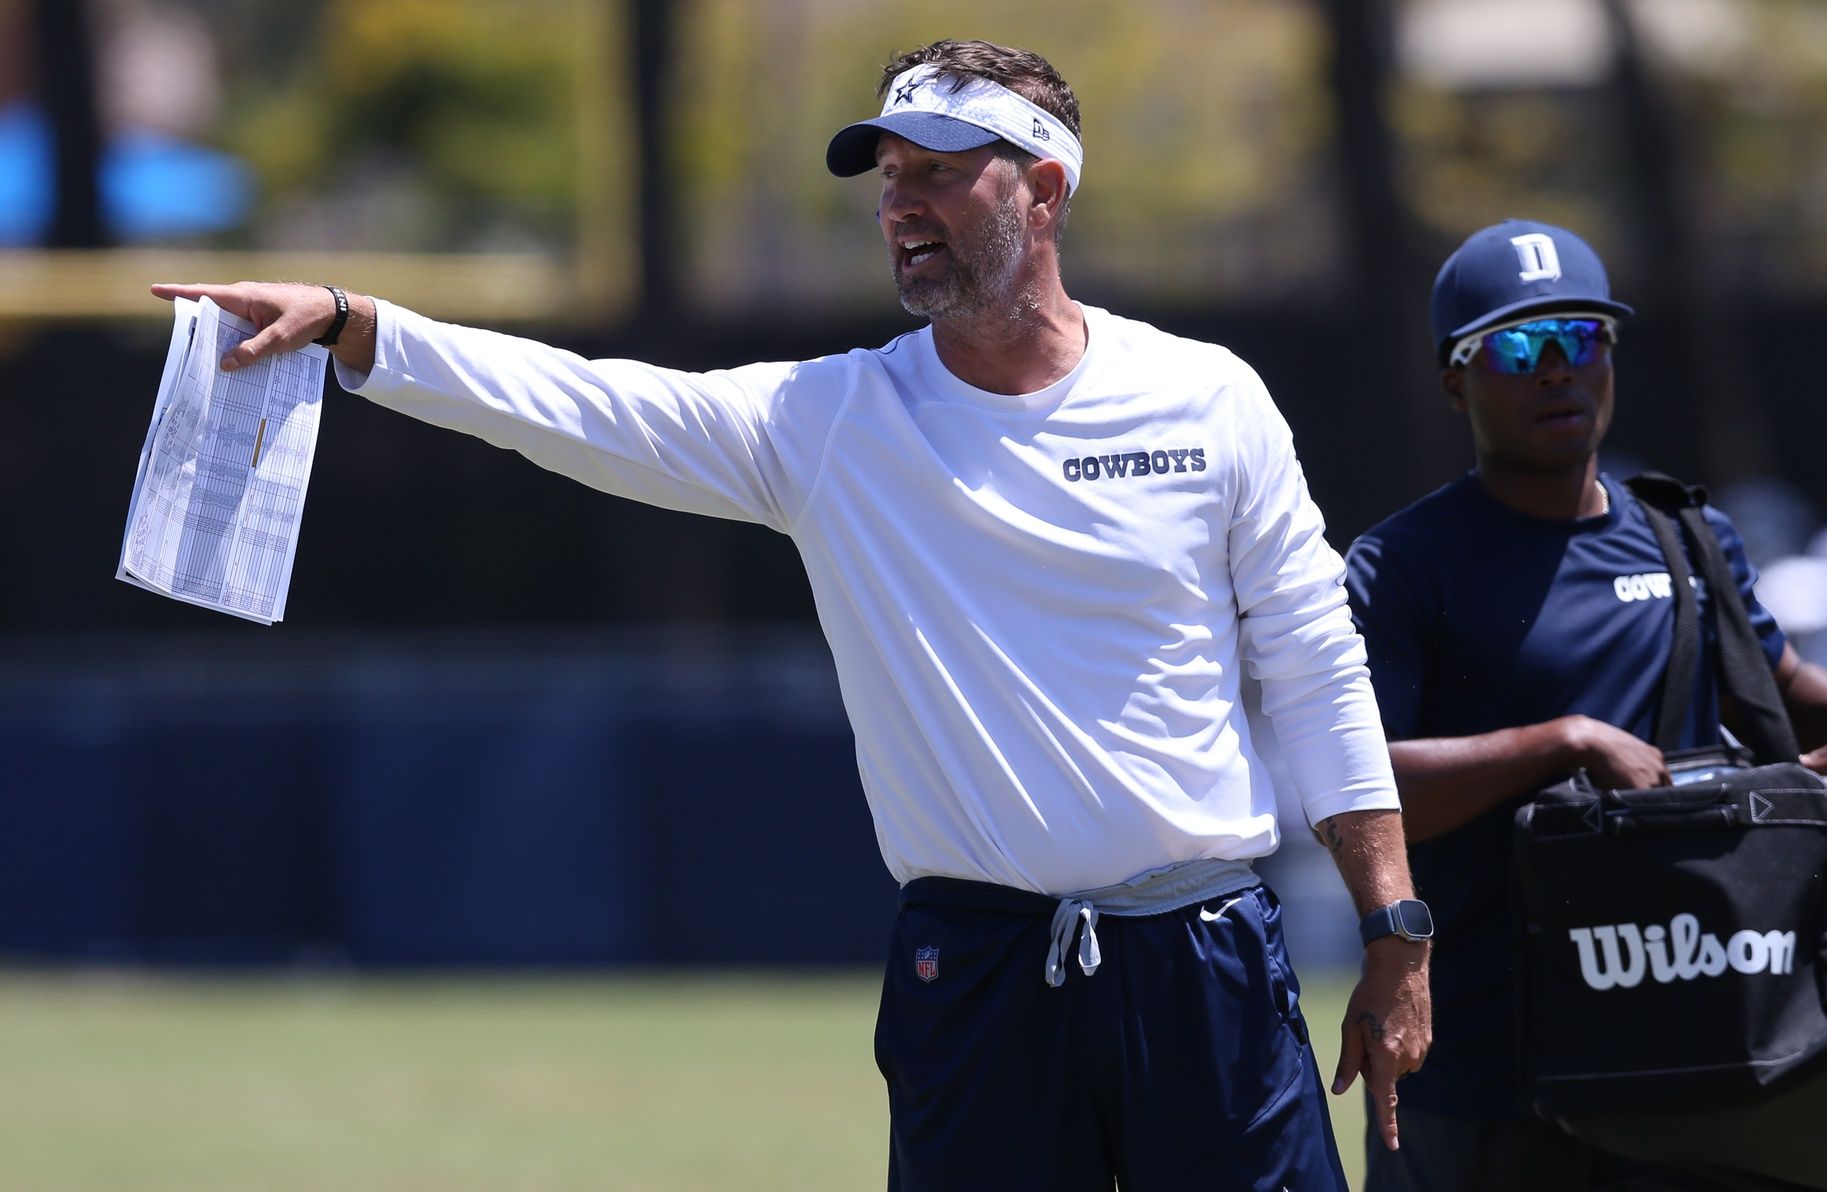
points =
(221, 486)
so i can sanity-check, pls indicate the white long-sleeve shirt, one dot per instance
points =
(1040, 606)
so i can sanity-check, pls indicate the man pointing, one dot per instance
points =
(1041, 654)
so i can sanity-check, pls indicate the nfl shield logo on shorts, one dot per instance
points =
(926, 964)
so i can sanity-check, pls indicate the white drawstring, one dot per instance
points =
(1175, 887)
(1066, 919)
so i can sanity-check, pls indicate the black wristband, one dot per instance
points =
(328, 338)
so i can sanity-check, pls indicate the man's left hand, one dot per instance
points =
(1388, 1026)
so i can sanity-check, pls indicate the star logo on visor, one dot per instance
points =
(904, 93)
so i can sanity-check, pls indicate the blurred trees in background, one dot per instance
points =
(1213, 174)
(426, 125)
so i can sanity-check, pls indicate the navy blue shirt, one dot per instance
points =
(1479, 618)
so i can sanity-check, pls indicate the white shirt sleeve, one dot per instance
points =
(696, 442)
(1295, 626)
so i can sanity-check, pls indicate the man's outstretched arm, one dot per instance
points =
(289, 316)
(1388, 1023)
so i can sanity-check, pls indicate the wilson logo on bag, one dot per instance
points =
(1619, 955)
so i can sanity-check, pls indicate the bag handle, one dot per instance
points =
(1798, 807)
(1744, 671)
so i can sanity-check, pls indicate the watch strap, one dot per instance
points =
(1406, 917)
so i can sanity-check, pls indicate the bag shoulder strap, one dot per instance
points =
(1744, 671)
(1658, 494)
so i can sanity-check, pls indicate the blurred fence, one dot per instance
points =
(380, 802)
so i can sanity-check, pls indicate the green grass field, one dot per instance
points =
(651, 1083)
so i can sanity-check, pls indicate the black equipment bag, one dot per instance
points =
(1670, 941)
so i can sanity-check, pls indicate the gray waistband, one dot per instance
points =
(1169, 889)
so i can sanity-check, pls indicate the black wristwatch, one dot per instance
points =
(1408, 918)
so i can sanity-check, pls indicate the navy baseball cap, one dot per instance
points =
(1515, 268)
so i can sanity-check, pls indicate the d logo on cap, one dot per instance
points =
(1541, 261)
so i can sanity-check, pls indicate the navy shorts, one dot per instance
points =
(1181, 1063)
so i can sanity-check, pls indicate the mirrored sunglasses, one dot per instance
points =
(1516, 350)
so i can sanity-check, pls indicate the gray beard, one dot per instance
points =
(982, 272)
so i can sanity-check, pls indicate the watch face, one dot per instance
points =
(1413, 919)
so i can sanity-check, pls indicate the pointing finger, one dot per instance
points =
(169, 290)
(237, 299)
(1385, 1099)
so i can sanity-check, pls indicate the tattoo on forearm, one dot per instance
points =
(1334, 839)
(1373, 1027)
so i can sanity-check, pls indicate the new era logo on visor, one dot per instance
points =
(1041, 133)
